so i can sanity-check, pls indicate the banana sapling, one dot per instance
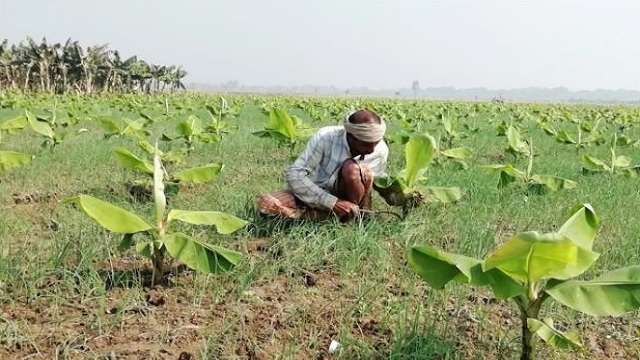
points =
(530, 268)
(537, 184)
(154, 240)
(403, 189)
(11, 159)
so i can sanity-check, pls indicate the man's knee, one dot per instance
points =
(355, 173)
(350, 171)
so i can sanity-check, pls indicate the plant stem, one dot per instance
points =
(158, 266)
(527, 339)
(529, 308)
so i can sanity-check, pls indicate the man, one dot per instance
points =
(335, 172)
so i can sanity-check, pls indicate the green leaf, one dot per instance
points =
(457, 153)
(621, 161)
(565, 138)
(554, 183)
(281, 122)
(508, 174)
(10, 159)
(146, 248)
(126, 242)
(191, 126)
(437, 268)
(127, 159)
(443, 194)
(146, 146)
(531, 257)
(515, 143)
(419, 152)
(592, 163)
(551, 335)
(612, 294)
(111, 217)
(200, 174)
(133, 126)
(447, 126)
(41, 127)
(14, 124)
(109, 126)
(199, 255)
(391, 189)
(582, 226)
(224, 223)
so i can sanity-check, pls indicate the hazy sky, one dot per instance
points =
(377, 44)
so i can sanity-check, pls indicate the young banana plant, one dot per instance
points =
(283, 128)
(403, 188)
(196, 175)
(617, 163)
(11, 159)
(537, 184)
(154, 240)
(530, 268)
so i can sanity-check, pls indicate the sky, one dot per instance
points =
(377, 44)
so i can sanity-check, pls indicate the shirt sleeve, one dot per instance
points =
(298, 174)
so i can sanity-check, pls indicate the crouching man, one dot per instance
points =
(334, 174)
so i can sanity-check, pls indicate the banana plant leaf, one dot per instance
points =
(10, 159)
(443, 194)
(582, 226)
(14, 124)
(199, 174)
(419, 152)
(224, 223)
(612, 294)
(127, 159)
(111, 217)
(549, 334)
(199, 255)
(457, 153)
(530, 257)
(41, 127)
(437, 268)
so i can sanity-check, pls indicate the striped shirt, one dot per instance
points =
(312, 176)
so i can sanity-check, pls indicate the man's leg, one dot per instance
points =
(355, 183)
(285, 205)
(278, 203)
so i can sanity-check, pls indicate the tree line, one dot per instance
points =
(60, 68)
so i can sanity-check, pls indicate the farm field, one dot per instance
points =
(70, 290)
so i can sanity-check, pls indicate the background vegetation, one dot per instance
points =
(67, 292)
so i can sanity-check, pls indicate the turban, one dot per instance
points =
(367, 132)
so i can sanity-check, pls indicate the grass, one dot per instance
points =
(66, 291)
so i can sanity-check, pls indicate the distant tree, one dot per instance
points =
(31, 67)
(415, 87)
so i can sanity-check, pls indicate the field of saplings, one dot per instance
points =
(128, 230)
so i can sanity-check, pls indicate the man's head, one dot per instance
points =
(365, 130)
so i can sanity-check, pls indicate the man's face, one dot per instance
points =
(358, 147)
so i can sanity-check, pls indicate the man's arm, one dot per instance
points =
(297, 175)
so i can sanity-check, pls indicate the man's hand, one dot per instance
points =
(344, 208)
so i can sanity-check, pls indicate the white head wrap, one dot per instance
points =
(367, 132)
